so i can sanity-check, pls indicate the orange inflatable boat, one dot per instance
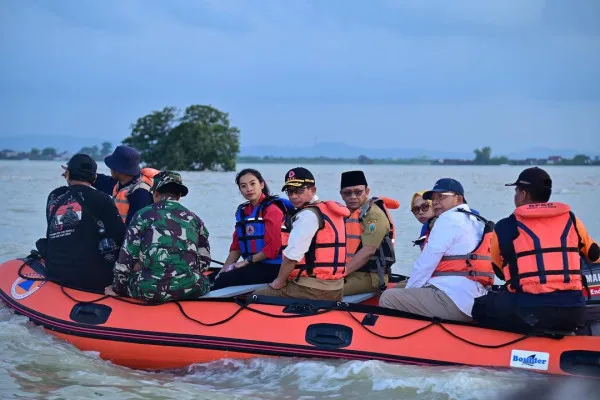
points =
(177, 334)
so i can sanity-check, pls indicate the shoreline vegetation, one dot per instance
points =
(482, 157)
(201, 138)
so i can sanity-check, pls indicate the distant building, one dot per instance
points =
(554, 160)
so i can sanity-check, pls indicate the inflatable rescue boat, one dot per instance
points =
(177, 334)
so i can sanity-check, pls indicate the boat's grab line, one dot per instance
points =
(435, 321)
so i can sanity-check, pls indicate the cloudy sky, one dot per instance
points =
(446, 74)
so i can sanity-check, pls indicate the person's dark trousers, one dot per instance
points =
(248, 275)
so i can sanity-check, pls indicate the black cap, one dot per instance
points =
(533, 178)
(353, 178)
(297, 177)
(82, 164)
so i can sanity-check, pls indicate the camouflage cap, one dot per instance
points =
(171, 180)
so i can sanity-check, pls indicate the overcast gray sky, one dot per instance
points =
(446, 74)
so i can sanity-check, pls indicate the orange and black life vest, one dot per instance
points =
(326, 256)
(540, 246)
(385, 256)
(120, 195)
(476, 265)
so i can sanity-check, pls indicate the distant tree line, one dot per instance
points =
(50, 153)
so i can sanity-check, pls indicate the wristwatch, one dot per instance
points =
(249, 259)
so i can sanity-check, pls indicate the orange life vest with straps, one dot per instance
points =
(541, 249)
(385, 255)
(476, 265)
(326, 256)
(120, 196)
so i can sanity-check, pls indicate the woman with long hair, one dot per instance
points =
(257, 234)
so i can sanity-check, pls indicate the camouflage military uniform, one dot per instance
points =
(165, 252)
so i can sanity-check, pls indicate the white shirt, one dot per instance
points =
(304, 228)
(453, 233)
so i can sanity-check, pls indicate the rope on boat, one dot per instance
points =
(243, 306)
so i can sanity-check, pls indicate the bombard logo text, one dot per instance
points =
(532, 360)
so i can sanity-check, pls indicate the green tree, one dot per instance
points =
(48, 152)
(107, 148)
(483, 156)
(34, 154)
(200, 139)
(93, 152)
(581, 159)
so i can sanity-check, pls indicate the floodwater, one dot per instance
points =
(34, 364)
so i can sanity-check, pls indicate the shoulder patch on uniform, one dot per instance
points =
(372, 225)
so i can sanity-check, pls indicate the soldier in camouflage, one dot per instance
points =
(166, 249)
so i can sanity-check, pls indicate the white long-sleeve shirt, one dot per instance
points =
(305, 227)
(454, 233)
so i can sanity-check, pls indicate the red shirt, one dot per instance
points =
(273, 217)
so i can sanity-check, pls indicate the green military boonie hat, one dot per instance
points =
(164, 178)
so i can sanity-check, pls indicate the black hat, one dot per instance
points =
(297, 177)
(82, 164)
(533, 178)
(353, 178)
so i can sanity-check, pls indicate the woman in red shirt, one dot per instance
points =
(257, 234)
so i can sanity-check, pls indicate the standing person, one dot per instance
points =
(537, 250)
(370, 236)
(166, 248)
(455, 265)
(257, 234)
(84, 230)
(314, 242)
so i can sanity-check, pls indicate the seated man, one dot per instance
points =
(314, 242)
(370, 235)
(166, 249)
(537, 250)
(455, 265)
(84, 230)
(128, 184)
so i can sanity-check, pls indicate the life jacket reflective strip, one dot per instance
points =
(326, 256)
(476, 265)
(544, 256)
(353, 234)
(251, 231)
(385, 255)
(120, 196)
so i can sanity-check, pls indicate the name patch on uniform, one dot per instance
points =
(372, 225)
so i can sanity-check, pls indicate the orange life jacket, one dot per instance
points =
(476, 265)
(120, 196)
(385, 255)
(326, 256)
(542, 256)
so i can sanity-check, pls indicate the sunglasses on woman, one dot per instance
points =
(422, 208)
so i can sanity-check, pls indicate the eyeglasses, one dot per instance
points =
(350, 192)
(423, 208)
(299, 190)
